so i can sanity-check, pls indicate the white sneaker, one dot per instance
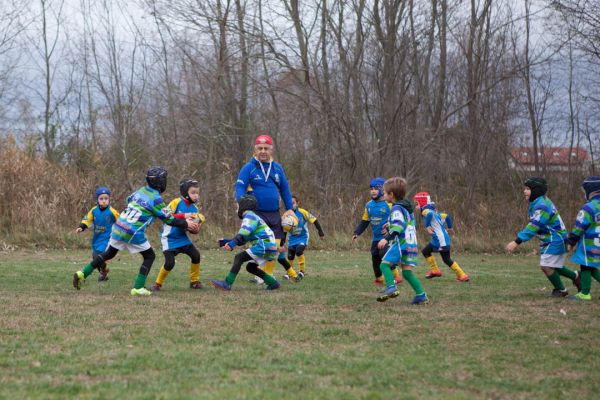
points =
(140, 292)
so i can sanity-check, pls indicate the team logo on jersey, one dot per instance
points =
(597, 218)
(537, 215)
(277, 178)
(581, 216)
(397, 215)
(257, 177)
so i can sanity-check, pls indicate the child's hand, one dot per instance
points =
(323, 237)
(78, 230)
(354, 238)
(382, 243)
(384, 228)
(429, 230)
(511, 246)
(281, 249)
(226, 247)
(450, 231)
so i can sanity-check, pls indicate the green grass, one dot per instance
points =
(498, 336)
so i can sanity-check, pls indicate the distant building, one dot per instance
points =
(549, 158)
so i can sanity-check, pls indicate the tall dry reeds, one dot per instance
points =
(41, 203)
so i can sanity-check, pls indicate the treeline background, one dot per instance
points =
(438, 91)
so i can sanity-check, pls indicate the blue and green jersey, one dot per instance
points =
(545, 223)
(587, 228)
(143, 207)
(260, 237)
(403, 223)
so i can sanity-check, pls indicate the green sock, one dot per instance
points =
(388, 275)
(87, 270)
(586, 281)
(269, 280)
(414, 282)
(231, 278)
(140, 281)
(596, 274)
(565, 271)
(554, 278)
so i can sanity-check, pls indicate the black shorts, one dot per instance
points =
(273, 219)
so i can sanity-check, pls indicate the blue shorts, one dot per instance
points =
(396, 255)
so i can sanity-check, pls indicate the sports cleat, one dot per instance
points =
(196, 285)
(391, 291)
(103, 277)
(273, 286)
(433, 274)
(222, 285)
(258, 281)
(140, 292)
(78, 279)
(420, 299)
(581, 296)
(156, 287)
(559, 293)
(301, 274)
(463, 278)
(577, 281)
(377, 282)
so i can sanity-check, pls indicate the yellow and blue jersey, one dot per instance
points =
(587, 229)
(300, 232)
(102, 220)
(440, 240)
(377, 213)
(173, 237)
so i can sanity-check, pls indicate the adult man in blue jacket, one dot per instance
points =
(266, 179)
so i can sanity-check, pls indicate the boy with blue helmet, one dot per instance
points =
(401, 242)
(545, 223)
(435, 224)
(175, 240)
(102, 217)
(263, 246)
(129, 231)
(376, 213)
(586, 236)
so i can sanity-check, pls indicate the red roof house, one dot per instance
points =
(550, 158)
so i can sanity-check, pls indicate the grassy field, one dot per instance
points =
(499, 336)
